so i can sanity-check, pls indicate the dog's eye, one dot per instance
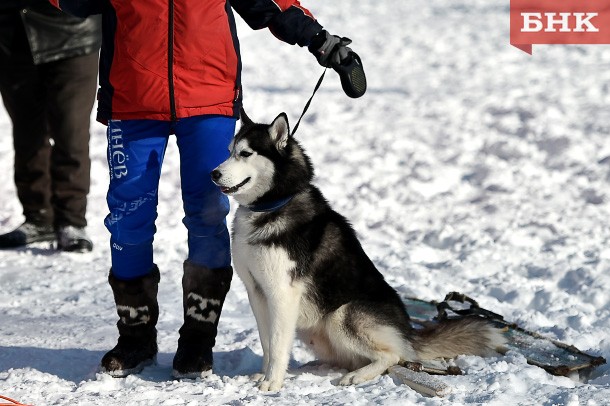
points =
(245, 154)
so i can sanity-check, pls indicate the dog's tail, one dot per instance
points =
(465, 336)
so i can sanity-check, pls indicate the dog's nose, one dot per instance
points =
(216, 174)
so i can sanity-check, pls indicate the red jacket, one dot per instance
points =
(170, 59)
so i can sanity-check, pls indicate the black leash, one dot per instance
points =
(294, 130)
(351, 73)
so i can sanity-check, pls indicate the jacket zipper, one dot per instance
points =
(170, 61)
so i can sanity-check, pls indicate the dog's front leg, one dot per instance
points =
(283, 311)
(260, 308)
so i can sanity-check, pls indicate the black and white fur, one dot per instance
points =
(306, 272)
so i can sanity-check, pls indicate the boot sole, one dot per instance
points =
(191, 375)
(79, 247)
(122, 373)
(33, 240)
(42, 238)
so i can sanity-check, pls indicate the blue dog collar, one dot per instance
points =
(271, 206)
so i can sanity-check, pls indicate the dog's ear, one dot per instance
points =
(245, 120)
(279, 131)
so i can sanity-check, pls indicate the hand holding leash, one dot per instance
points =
(333, 51)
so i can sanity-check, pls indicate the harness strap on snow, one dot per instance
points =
(473, 310)
(294, 130)
(13, 402)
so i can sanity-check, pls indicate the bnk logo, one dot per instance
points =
(562, 22)
(559, 22)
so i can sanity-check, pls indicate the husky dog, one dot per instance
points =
(306, 272)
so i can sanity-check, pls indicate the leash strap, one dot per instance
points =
(309, 101)
(276, 205)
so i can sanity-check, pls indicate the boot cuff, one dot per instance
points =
(213, 281)
(134, 286)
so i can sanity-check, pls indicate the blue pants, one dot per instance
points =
(135, 154)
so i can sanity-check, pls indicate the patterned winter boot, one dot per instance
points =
(204, 292)
(136, 304)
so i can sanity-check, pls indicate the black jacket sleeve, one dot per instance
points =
(293, 24)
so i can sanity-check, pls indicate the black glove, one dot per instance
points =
(329, 49)
(332, 51)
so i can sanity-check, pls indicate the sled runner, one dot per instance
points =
(553, 356)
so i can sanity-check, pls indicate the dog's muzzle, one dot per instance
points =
(216, 175)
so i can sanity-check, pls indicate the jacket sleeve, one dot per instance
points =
(80, 8)
(286, 19)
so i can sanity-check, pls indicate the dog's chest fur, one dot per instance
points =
(252, 254)
(251, 243)
(268, 267)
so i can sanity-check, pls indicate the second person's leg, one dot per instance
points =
(23, 94)
(71, 85)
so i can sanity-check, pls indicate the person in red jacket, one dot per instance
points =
(174, 68)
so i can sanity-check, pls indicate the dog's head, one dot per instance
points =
(266, 163)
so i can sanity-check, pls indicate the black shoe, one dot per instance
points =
(192, 360)
(129, 356)
(73, 239)
(25, 234)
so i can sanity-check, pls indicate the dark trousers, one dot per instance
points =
(50, 107)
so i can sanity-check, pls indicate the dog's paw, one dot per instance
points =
(258, 377)
(354, 378)
(270, 386)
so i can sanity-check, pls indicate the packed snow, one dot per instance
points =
(468, 166)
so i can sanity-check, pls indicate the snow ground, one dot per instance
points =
(467, 166)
